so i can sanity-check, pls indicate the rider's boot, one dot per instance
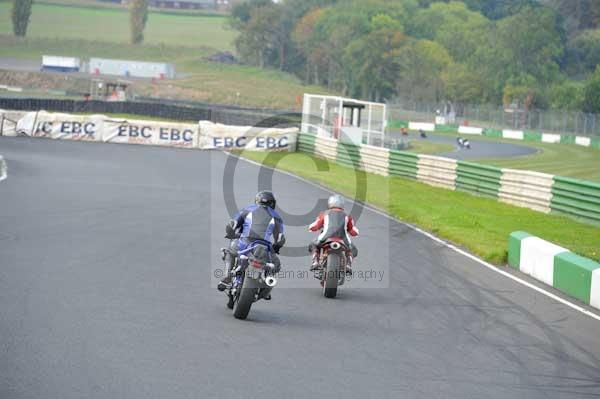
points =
(316, 265)
(349, 265)
(226, 281)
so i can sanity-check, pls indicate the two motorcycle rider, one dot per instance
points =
(260, 222)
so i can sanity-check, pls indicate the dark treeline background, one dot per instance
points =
(532, 53)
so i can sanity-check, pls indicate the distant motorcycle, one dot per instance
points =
(332, 272)
(253, 277)
(463, 143)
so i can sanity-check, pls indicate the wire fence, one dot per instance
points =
(498, 117)
(236, 116)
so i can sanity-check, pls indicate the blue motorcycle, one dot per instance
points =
(253, 277)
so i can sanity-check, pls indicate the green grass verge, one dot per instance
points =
(480, 225)
(428, 147)
(557, 159)
(112, 25)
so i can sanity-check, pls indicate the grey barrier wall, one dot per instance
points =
(236, 116)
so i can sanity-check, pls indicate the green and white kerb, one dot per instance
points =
(572, 274)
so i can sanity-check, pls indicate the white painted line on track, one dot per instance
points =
(3, 169)
(442, 242)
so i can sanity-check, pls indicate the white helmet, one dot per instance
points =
(335, 201)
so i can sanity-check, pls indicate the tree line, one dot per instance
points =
(138, 16)
(532, 53)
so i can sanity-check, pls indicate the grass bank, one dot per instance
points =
(198, 79)
(112, 25)
(478, 224)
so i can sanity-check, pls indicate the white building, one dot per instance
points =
(139, 69)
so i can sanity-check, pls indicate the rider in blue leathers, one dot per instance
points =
(257, 222)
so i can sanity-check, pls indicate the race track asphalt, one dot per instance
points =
(106, 256)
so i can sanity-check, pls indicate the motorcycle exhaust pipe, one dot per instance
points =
(271, 281)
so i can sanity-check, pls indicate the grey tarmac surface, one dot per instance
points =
(479, 148)
(106, 255)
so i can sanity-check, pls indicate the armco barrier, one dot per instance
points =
(375, 159)
(478, 179)
(403, 164)
(576, 198)
(532, 136)
(326, 148)
(572, 274)
(306, 143)
(492, 133)
(437, 171)
(526, 189)
(348, 155)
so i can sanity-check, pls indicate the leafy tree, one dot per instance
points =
(347, 22)
(591, 93)
(521, 91)
(493, 9)
(583, 52)
(565, 95)
(373, 58)
(576, 14)
(422, 69)
(452, 25)
(240, 14)
(305, 37)
(138, 16)
(261, 36)
(21, 11)
(529, 45)
(465, 85)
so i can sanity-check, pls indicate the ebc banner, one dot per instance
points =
(151, 133)
(224, 137)
(61, 126)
